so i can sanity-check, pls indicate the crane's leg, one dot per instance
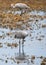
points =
(19, 48)
(23, 46)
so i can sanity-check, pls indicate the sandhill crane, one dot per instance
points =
(21, 35)
(23, 7)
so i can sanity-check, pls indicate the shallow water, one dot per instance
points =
(35, 44)
(41, 13)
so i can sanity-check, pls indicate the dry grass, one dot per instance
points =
(9, 20)
(43, 62)
(12, 45)
(34, 4)
(32, 57)
(43, 25)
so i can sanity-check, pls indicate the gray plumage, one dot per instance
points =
(21, 5)
(21, 34)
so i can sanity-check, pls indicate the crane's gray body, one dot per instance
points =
(21, 34)
(21, 5)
